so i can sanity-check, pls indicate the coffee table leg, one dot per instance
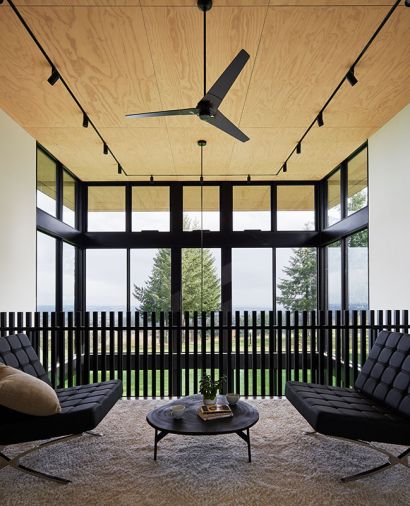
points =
(247, 438)
(158, 436)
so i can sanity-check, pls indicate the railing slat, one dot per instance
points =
(154, 353)
(263, 355)
(128, 337)
(70, 348)
(137, 367)
(273, 383)
(254, 355)
(145, 354)
(246, 351)
(280, 347)
(237, 353)
(187, 354)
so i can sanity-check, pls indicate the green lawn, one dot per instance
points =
(192, 390)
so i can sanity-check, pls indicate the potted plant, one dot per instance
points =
(209, 388)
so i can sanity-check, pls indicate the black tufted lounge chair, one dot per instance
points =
(82, 408)
(376, 410)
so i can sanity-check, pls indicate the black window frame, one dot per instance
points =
(225, 239)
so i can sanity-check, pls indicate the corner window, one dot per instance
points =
(46, 183)
(69, 188)
(334, 208)
(357, 182)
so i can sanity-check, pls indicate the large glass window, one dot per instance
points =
(334, 276)
(334, 209)
(150, 208)
(151, 280)
(106, 208)
(296, 286)
(358, 290)
(251, 208)
(295, 207)
(68, 277)
(252, 279)
(201, 279)
(192, 198)
(106, 280)
(357, 182)
(46, 183)
(46, 273)
(69, 187)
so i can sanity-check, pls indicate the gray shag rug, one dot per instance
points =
(288, 467)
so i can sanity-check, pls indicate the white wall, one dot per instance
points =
(389, 214)
(17, 217)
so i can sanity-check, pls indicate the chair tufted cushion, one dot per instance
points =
(346, 413)
(17, 351)
(385, 376)
(82, 409)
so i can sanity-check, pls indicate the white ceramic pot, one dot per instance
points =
(209, 402)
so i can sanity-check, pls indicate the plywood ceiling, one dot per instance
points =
(122, 56)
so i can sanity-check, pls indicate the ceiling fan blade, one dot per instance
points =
(222, 122)
(221, 87)
(172, 112)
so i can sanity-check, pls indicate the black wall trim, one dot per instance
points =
(353, 223)
(50, 225)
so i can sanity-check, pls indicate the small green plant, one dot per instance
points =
(209, 388)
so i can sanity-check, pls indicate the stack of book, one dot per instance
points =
(214, 412)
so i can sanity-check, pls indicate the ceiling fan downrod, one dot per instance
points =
(204, 6)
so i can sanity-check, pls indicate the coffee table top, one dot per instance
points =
(244, 417)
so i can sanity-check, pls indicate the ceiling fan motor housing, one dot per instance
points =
(204, 5)
(206, 109)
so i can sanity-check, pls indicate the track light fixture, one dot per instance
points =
(105, 149)
(151, 179)
(351, 77)
(248, 178)
(285, 167)
(54, 77)
(85, 121)
(299, 148)
(119, 169)
(320, 121)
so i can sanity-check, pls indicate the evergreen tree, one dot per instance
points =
(298, 290)
(155, 295)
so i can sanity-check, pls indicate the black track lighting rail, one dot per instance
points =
(349, 77)
(55, 76)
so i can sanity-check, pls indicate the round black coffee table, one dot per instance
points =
(244, 417)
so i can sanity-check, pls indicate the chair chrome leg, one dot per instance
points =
(94, 433)
(6, 461)
(33, 472)
(392, 459)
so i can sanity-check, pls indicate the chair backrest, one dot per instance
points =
(385, 376)
(17, 351)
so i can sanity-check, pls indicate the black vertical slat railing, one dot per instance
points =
(166, 354)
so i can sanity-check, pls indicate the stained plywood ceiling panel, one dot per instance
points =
(104, 56)
(304, 53)
(122, 56)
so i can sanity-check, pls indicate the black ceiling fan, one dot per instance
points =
(207, 107)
